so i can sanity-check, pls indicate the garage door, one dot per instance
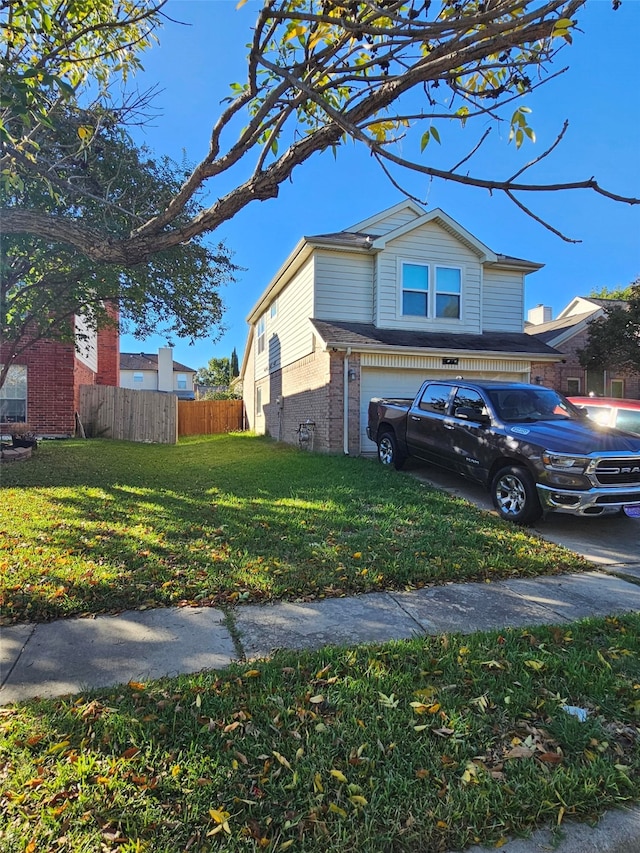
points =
(383, 382)
(405, 382)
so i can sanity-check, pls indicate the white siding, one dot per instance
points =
(149, 380)
(344, 287)
(390, 223)
(503, 302)
(86, 344)
(289, 333)
(430, 244)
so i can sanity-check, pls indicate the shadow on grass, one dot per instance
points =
(112, 525)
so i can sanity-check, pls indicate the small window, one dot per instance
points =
(261, 333)
(415, 290)
(181, 382)
(273, 311)
(448, 290)
(13, 395)
(138, 376)
(617, 388)
(469, 399)
(436, 398)
(573, 387)
(259, 402)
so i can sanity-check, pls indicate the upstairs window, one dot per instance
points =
(273, 311)
(181, 382)
(448, 289)
(261, 334)
(415, 290)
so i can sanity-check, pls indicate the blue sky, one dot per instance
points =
(198, 59)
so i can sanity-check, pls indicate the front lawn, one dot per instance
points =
(425, 745)
(89, 526)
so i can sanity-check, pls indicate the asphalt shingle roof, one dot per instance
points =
(147, 361)
(366, 335)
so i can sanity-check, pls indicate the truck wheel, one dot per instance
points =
(514, 495)
(388, 452)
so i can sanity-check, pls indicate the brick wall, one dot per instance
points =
(109, 352)
(556, 375)
(50, 387)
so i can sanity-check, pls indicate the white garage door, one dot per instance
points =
(384, 382)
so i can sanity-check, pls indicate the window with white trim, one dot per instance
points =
(415, 290)
(259, 411)
(448, 292)
(573, 387)
(261, 334)
(431, 290)
(273, 311)
(138, 376)
(13, 395)
(181, 382)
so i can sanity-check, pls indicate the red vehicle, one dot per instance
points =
(612, 411)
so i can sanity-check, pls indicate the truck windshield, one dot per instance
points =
(517, 405)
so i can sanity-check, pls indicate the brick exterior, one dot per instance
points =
(54, 377)
(109, 352)
(311, 386)
(556, 375)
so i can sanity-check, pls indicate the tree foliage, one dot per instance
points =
(614, 340)
(110, 185)
(319, 72)
(217, 373)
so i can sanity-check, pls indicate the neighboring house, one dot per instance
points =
(150, 372)
(568, 334)
(43, 384)
(372, 311)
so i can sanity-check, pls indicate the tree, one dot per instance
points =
(112, 185)
(613, 340)
(614, 293)
(235, 369)
(319, 72)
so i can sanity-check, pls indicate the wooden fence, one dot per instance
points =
(206, 417)
(123, 413)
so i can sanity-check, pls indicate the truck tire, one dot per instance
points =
(514, 495)
(388, 453)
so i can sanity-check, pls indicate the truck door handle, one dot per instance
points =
(448, 425)
(415, 418)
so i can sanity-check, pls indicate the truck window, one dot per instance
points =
(435, 398)
(471, 399)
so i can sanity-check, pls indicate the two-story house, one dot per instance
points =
(374, 310)
(157, 372)
(569, 333)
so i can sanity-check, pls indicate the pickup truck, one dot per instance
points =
(536, 452)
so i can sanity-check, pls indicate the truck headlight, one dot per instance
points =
(560, 462)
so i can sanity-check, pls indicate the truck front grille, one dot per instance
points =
(618, 472)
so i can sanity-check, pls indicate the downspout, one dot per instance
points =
(345, 403)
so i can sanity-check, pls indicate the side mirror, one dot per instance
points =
(468, 413)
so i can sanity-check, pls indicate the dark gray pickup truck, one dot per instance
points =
(535, 451)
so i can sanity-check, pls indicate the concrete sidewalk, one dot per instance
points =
(75, 655)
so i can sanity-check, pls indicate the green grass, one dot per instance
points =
(89, 526)
(424, 745)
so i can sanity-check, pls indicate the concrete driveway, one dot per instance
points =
(610, 542)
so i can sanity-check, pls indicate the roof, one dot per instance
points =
(367, 336)
(549, 331)
(148, 361)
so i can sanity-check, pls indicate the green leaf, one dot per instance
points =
(426, 136)
(435, 135)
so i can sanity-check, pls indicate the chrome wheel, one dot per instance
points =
(510, 494)
(386, 449)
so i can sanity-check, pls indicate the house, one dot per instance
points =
(157, 372)
(568, 334)
(372, 311)
(43, 382)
